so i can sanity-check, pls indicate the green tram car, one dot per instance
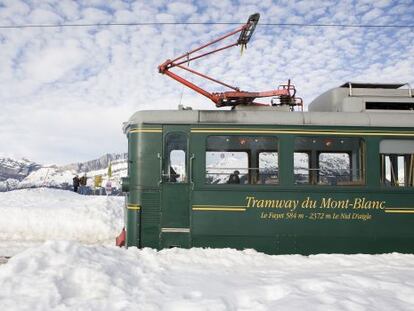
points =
(335, 179)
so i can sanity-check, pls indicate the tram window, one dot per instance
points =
(268, 168)
(328, 161)
(334, 168)
(301, 167)
(177, 166)
(397, 163)
(174, 169)
(242, 160)
(227, 167)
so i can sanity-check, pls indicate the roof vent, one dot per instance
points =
(360, 97)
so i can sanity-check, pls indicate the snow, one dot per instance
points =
(47, 177)
(71, 276)
(30, 216)
(62, 260)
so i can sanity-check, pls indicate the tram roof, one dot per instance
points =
(373, 85)
(269, 116)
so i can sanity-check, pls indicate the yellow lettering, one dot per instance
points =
(330, 203)
(325, 203)
(363, 217)
(363, 203)
(260, 203)
(308, 203)
(250, 201)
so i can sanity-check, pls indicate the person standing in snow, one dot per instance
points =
(76, 182)
(108, 187)
(82, 182)
(98, 185)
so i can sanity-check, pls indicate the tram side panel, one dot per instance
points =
(287, 218)
(286, 221)
(143, 199)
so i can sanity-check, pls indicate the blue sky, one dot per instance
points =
(64, 92)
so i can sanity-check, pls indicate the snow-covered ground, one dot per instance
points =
(31, 216)
(87, 273)
(72, 276)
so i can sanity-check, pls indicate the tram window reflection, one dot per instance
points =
(268, 168)
(334, 161)
(334, 168)
(177, 166)
(301, 167)
(227, 167)
(242, 160)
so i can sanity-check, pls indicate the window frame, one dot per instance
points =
(166, 159)
(313, 172)
(249, 154)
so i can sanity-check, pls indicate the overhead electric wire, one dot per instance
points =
(202, 23)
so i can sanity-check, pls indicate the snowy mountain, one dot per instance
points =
(97, 164)
(22, 174)
(16, 169)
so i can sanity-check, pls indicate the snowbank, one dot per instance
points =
(49, 214)
(47, 177)
(70, 276)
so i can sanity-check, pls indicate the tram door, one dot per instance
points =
(175, 187)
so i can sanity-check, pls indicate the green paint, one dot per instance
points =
(278, 219)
